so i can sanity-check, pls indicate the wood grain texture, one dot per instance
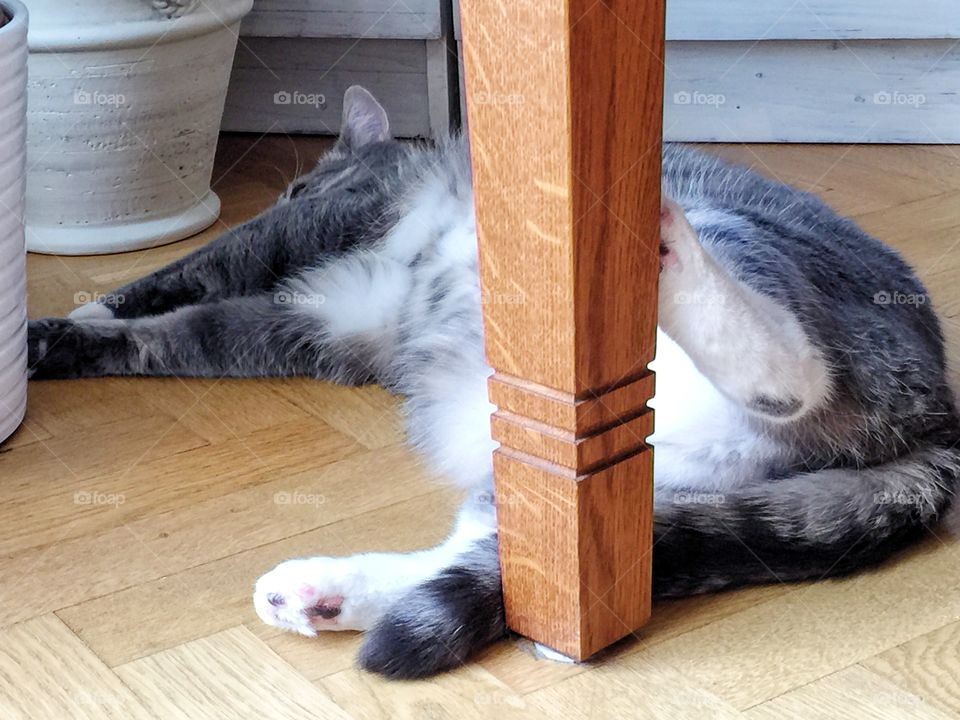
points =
(205, 526)
(644, 690)
(469, 693)
(47, 672)
(815, 625)
(564, 105)
(575, 552)
(228, 676)
(213, 596)
(854, 692)
(574, 194)
(565, 410)
(927, 666)
(789, 20)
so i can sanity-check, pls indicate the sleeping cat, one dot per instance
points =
(804, 428)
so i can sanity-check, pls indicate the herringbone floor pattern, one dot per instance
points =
(135, 515)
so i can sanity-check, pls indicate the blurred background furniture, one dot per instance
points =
(296, 58)
(738, 71)
(853, 71)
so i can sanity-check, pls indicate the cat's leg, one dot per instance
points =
(425, 611)
(246, 260)
(240, 337)
(347, 205)
(752, 348)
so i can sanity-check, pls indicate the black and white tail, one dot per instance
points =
(805, 527)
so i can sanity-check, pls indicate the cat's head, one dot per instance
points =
(365, 147)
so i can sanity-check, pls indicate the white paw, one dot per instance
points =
(315, 594)
(91, 311)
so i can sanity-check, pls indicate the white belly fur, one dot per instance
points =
(702, 440)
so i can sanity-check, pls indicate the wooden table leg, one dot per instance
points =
(564, 100)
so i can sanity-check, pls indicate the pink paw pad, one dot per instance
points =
(668, 257)
(326, 608)
(666, 215)
(305, 592)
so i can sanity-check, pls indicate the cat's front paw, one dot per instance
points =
(51, 348)
(92, 311)
(314, 594)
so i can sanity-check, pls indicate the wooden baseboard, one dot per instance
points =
(889, 91)
(296, 85)
(369, 19)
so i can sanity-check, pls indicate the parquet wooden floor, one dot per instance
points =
(135, 515)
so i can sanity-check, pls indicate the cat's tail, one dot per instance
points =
(807, 526)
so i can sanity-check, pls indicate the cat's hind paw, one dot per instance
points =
(311, 595)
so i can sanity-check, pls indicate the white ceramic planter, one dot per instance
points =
(13, 273)
(125, 103)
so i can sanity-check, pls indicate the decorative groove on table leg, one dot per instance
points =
(570, 475)
(563, 447)
(581, 607)
(589, 412)
(565, 105)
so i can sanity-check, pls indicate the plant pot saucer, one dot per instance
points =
(114, 238)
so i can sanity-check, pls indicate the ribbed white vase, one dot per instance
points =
(13, 271)
(125, 103)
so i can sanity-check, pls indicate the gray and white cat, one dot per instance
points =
(805, 427)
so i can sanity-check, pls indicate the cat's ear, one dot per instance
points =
(364, 119)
